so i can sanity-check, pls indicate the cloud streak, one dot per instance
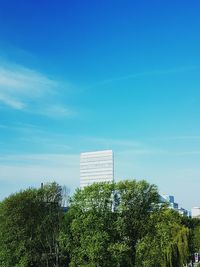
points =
(143, 74)
(28, 90)
(18, 84)
(49, 160)
(25, 170)
(109, 143)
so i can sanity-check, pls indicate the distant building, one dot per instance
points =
(170, 200)
(96, 167)
(183, 211)
(196, 212)
(173, 205)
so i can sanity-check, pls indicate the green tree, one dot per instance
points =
(17, 229)
(196, 239)
(105, 221)
(91, 226)
(194, 234)
(166, 243)
(137, 199)
(50, 197)
(29, 227)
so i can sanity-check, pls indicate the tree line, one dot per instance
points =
(106, 224)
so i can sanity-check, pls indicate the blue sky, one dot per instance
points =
(87, 75)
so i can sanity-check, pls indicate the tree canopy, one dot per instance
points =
(29, 227)
(106, 224)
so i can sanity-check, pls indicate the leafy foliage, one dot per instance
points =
(29, 227)
(107, 224)
(167, 242)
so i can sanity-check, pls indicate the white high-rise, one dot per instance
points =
(196, 212)
(96, 167)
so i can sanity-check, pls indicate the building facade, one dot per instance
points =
(96, 167)
(173, 205)
(196, 212)
(170, 200)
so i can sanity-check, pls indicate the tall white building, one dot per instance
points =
(96, 167)
(196, 212)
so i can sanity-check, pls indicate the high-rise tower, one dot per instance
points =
(96, 167)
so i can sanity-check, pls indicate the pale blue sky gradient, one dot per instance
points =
(89, 75)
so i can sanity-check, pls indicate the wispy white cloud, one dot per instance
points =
(41, 159)
(109, 143)
(189, 153)
(36, 138)
(28, 90)
(18, 84)
(184, 137)
(55, 111)
(145, 73)
(10, 101)
(130, 147)
(25, 170)
(143, 152)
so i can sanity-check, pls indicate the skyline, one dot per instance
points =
(120, 75)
